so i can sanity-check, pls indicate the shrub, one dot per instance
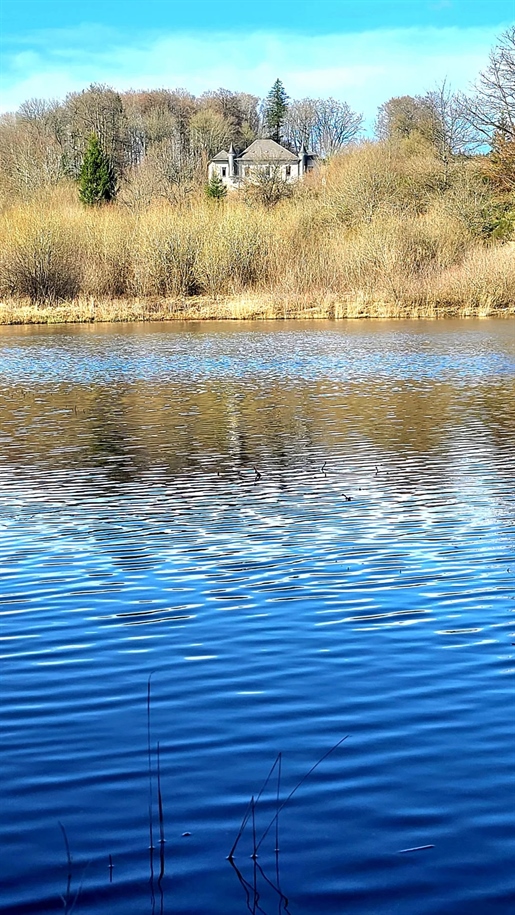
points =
(233, 254)
(41, 260)
(108, 246)
(215, 188)
(266, 188)
(166, 254)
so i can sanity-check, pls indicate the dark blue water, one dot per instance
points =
(301, 532)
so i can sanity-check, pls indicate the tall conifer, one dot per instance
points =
(276, 106)
(96, 181)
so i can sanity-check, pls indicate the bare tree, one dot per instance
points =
(183, 105)
(239, 110)
(37, 112)
(98, 110)
(46, 118)
(249, 123)
(491, 109)
(402, 116)
(324, 126)
(301, 122)
(499, 166)
(149, 121)
(209, 132)
(452, 133)
(30, 157)
(337, 126)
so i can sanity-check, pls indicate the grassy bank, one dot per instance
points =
(381, 231)
(247, 307)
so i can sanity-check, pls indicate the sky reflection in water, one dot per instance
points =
(304, 531)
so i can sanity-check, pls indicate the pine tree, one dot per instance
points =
(97, 183)
(276, 106)
(215, 188)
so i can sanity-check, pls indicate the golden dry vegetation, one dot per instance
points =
(384, 230)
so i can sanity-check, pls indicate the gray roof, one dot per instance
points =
(222, 156)
(266, 150)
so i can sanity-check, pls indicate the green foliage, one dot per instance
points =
(485, 216)
(499, 222)
(276, 106)
(215, 188)
(96, 182)
(499, 166)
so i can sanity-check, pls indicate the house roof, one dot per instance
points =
(222, 156)
(266, 150)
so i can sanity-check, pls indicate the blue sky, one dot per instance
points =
(362, 51)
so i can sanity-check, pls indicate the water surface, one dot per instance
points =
(301, 531)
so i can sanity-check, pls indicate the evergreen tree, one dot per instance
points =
(276, 106)
(215, 188)
(97, 183)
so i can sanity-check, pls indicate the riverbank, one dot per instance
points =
(239, 308)
(381, 232)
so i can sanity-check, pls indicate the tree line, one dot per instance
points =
(157, 143)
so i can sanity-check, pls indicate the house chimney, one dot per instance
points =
(303, 156)
(231, 161)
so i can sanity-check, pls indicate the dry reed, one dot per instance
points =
(383, 231)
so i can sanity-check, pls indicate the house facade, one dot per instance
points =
(261, 157)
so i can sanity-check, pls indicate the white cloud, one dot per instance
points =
(364, 69)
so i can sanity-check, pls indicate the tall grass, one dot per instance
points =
(382, 229)
(38, 257)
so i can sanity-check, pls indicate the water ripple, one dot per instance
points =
(300, 532)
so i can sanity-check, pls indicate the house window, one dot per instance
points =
(287, 171)
(224, 172)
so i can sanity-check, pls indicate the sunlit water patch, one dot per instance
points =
(298, 532)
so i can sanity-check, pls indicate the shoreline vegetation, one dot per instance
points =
(381, 231)
(105, 214)
(251, 307)
(384, 229)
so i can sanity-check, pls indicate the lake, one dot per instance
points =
(223, 549)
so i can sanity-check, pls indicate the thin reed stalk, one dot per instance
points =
(250, 811)
(161, 817)
(150, 784)
(296, 788)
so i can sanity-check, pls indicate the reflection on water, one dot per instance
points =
(302, 531)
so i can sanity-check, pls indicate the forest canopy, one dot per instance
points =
(158, 142)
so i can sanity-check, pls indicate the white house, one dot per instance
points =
(262, 156)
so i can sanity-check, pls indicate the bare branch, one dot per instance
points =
(491, 109)
(324, 126)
